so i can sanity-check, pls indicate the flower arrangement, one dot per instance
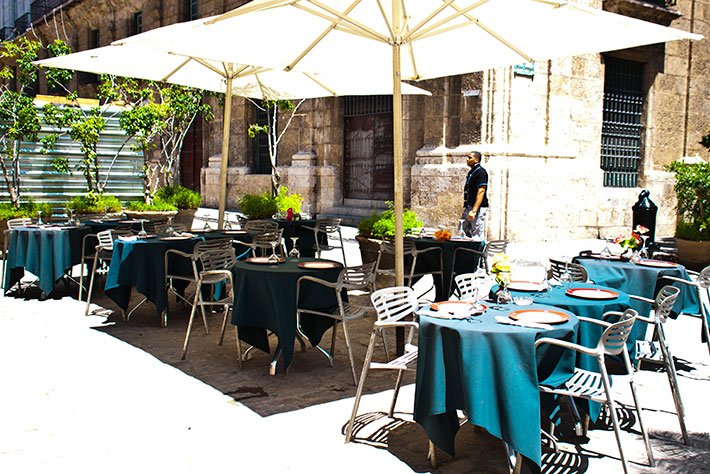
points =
(500, 267)
(442, 235)
(632, 241)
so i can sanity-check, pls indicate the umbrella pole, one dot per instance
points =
(225, 152)
(398, 184)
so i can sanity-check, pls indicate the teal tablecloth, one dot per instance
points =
(265, 300)
(491, 372)
(641, 281)
(45, 252)
(466, 262)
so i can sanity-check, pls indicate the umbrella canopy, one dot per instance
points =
(409, 39)
(142, 62)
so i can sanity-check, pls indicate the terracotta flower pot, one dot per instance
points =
(693, 254)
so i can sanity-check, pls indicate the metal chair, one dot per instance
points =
(656, 349)
(151, 226)
(11, 224)
(171, 274)
(494, 247)
(468, 285)
(216, 268)
(262, 243)
(411, 254)
(596, 386)
(102, 255)
(164, 228)
(575, 271)
(88, 252)
(360, 278)
(702, 287)
(260, 226)
(329, 227)
(480, 257)
(393, 306)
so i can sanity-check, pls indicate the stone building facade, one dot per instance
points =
(540, 128)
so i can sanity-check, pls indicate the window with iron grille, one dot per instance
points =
(137, 24)
(87, 77)
(261, 163)
(368, 157)
(192, 11)
(621, 126)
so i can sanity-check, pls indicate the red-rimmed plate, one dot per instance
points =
(264, 260)
(539, 316)
(592, 293)
(526, 286)
(318, 265)
(656, 263)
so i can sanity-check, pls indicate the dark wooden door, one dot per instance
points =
(368, 159)
(191, 157)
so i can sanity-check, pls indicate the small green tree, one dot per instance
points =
(271, 129)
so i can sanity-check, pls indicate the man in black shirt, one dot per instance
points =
(474, 196)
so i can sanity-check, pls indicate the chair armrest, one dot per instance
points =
(396, 324)
(641, 298)
(314, 229)
(567, 345)
(179, 253)
(680, 280)
(429, 249)
(595, 321)
(645, 319)
(226, 273)
(318, 281)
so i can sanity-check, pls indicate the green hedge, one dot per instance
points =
(180, 197)
(27, 209)
(158, 206)
(381, 226)
(94, 204)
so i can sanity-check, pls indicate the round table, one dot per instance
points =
(265, 300)
(46, 251)
(491, 371)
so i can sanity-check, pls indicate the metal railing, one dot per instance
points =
(40, 8)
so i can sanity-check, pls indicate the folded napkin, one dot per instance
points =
(525, 324)
(128, 238)
(442, 314)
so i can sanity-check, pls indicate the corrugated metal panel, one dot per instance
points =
(41, 183)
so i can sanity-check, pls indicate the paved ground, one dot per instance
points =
(82, 394)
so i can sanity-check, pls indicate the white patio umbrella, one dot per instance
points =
(139, 61)
(410, 39)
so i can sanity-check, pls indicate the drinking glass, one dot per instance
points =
(294, 253)
(170, 230)
(69, 221)
(643, 253)
(106, 216)
(142, 234)
(206, 227)
(227, 225)
(461, 232)
(606, 252)
(273, 258)
(39, 218)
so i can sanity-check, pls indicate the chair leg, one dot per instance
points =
(431, 454)
(360, 387)
(704, 318)
(397, 386)
(346, 334)
(239, 348)
(189, 324)
(644, 433)
(91, 283)
(384, 346)
(342, 248)
(204, 315)
(673, 381)
(611, 406)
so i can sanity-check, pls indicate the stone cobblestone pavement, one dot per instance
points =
(95, 394)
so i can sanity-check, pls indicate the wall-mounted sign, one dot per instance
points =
(524, 69)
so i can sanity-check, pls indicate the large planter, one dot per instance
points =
(693, 254)
(150, 215)
(369, 249)
(185, 217)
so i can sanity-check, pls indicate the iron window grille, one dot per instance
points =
(261, 162)
(192, 10)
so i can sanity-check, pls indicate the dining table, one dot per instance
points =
(643, 278)
(46, 251)
(140, 263)
(466, 262)
(492, 372)
(265, 302)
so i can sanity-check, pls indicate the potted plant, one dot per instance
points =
(94, 205)
(372, 230)
(27, 209)
(159, 209)
(692, 187)
(185, 200)
(265, 205)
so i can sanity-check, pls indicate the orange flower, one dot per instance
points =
(442, 234)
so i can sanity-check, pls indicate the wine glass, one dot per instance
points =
(142, 233)
(69, 221)
(227, 225)
(170, 230)
(294, 253)
(39, 218)
(606, 252)
(273, 258)
(206, 227)
(461, 232)
(643, 253)
(106, 216)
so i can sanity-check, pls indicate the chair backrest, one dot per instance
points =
(576, 271)
(163, 228)
(665, 299)
(387, 247)
(394, 303)
(212, 245)
(328, 225)
(496, 246)
(613, 339)
(152, 226)
(105, 238)
(260, 226)
(357, 278)
(468, 284)
(704, 278)
(263, 240)
(18, 222)
(221, 259)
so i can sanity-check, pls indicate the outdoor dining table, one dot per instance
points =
(491, 371)
(466, 263)
(265, 301)
(140, 263)
(98, 225)
(642, 280)
(47, 252)
(306, 237)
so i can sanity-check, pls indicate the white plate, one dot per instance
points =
(318, 265)
(539, 316)
(526, 286)
(656, 263)
(592, 293)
